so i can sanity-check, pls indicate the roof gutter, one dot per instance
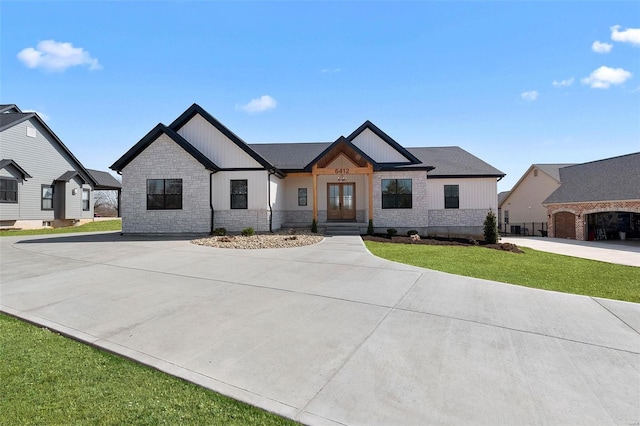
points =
(211, 173)
(271, 172)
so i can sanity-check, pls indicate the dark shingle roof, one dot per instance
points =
(616, 178)
(10, 119)
(104, 180)
(290, 156)
(453, 161)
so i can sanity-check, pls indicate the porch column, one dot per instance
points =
(370, 176)
(314, 175)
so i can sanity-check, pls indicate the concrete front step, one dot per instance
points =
(342, 230)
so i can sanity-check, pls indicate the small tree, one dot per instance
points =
(370, 227)
(490, 228)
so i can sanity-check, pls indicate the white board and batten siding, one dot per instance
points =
(257, 193)
(475, 193)
(29, 145)
(215, 145)
(377, 149)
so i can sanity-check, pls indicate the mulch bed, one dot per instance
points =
(381, 238)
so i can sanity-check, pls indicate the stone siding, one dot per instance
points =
(583, 209)
(238, 219)
(299, 216)
(415, 217)
(457, 217)
(164, 159)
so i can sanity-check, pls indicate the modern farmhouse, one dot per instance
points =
(195, 175)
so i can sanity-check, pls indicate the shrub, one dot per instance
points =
(219, 232)
(392, 231)
(314, 226)
(247, 232)
(370, 227)
(490, 228)
(412, 232)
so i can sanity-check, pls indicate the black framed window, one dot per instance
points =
(302, 196)
(164, 194)
(397, 194)
(239, 192)
(86, 196)
(452, 196)
(47, 197)
(8, 190)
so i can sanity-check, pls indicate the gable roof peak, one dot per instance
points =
(385, 137)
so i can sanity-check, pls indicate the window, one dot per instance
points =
(506, 217)
(239, 194)
(451, 196)
(164, 194)
(396, 194)
(47, 197)
(302, 196)
(85, 200)
(8, 190)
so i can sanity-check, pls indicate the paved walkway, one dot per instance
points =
(329, 334)
(621, 252)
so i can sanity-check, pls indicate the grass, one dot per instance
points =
(48, 379)
(103, 225)
(532, 269)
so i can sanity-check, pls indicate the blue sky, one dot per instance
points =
(514, 83)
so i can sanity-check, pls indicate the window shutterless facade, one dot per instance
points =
(239, 194)
(8, 190)
(164, 194)
(86, 196)
(452, 196)
(302, 196)
(46, 197)
(397, 194)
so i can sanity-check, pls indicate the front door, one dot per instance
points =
(341, 201)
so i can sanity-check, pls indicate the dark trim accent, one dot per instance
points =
(67, 176)
(241, 169)
(8, 162)
(341, 140)
(53, 194)
(404, 167)
(211, 201)
(194, 109)
(151, 137)
(246, 181)
(388, 139)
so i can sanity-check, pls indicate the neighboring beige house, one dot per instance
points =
(521, 209)
(196, 175)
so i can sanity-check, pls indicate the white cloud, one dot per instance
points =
(330, 70)
(600, 47)
(261, 104)
(630, 35)
(563, 83)
(42, 115)
(529, 96)
(52, 55)
(604, 77)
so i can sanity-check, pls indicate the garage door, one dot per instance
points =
(565, 225)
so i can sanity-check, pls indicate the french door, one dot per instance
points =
(341, 201)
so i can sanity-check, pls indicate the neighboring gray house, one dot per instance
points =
(41, 182)
(196, 175)
(597, 200)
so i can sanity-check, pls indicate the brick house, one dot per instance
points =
(597, 200)
(196, 175)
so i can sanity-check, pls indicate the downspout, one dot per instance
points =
(271, 172)
(211, 201)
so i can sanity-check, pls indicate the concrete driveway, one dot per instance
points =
(329, 334)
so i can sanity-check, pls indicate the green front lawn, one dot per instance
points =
(47, 379)
(103, 225)
(531, 269)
